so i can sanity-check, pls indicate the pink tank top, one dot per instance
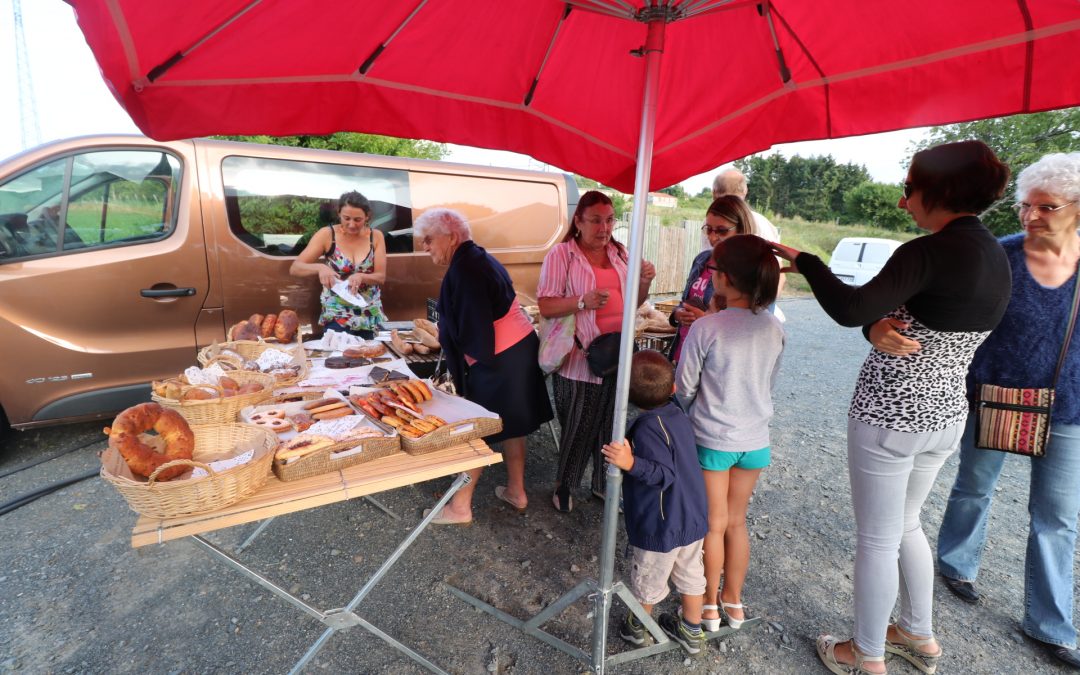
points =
(509, 330)
(609, 317)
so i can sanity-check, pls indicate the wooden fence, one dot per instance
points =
(671, 249)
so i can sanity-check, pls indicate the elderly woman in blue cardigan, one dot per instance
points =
(1023, 352)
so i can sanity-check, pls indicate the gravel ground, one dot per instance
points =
(76, 598)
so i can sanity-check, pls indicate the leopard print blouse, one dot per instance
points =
(919, 393)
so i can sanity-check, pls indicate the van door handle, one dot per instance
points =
(166, 292)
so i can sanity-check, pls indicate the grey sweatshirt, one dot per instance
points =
(725, 378)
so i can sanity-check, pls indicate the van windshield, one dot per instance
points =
(847, 251)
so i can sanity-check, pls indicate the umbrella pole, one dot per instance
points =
(654, 48)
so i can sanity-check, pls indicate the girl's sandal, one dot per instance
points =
(736, 624)
(711, 625)
(826, 651)
(913, 651)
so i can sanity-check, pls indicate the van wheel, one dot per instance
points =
(5, 428)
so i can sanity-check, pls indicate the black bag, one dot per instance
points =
(602, 354)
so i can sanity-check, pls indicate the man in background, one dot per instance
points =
(733, 182)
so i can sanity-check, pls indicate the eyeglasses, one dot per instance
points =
(909, 190)
(718, 230)
(711, 267)
(1041, 209)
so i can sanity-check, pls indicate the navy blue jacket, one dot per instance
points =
(664, 492)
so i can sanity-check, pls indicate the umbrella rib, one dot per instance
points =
(163, 67)
(370, 60)
(551, 45)
(975, 48)
(597, 7)
(696, 7)
(122, 28)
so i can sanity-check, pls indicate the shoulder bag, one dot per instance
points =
(1017, 420)
(556, 337)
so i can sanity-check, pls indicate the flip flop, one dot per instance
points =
(561, 500)
(500, 492)
(439, 520)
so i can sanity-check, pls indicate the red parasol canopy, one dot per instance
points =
(562, 81)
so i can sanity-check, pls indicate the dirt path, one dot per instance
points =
(75, 598)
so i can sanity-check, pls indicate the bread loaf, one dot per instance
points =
(287, 325)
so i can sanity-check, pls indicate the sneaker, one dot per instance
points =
(634, 632)
(693, 643)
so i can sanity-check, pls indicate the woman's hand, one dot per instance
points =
(885, 337)
(687, 314)
(619, 454)
(327, 277)
(596, 298)
(787, 253)
(648, 272)
(356, 281)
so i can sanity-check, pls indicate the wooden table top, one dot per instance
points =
(277, 498)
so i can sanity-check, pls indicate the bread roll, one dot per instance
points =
(287, 325)
(266, 328)
(244, 330)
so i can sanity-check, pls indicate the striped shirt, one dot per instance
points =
(566, 273)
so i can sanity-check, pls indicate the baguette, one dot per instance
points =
(416, 390)
(320, 403)
(303, 445)
(427, 326)
(400, 346)
(423, 425)
(328, 407)
(409, 432)
(423, 387)
(333, 414)
(437, 421)
(393, 421)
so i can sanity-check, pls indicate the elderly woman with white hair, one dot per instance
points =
(1023, 351)
(490, 349)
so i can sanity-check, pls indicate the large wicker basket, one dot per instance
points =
(174, 498)
(222, 410)
(252, 350)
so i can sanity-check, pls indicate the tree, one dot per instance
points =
(677, 191)
(872, 203)
(1018, 140)
(811, 187)
(353, 142)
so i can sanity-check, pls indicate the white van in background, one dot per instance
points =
(857, 260)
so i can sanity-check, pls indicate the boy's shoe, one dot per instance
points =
(694, 644)
(634, 632)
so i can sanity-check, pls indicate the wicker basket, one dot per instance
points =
(252, 350)
(452, 433)
(176, 498)
(321, 461)
(667, 306)
(222, 410)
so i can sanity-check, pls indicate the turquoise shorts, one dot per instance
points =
(716, 460)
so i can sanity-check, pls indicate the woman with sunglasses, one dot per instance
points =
(727, 216)
(1023, 351)
(950, 288)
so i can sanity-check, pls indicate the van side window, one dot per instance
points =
(275, 206)
(876, 254)
(848, 251)
(88, 201)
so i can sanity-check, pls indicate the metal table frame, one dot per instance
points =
(472, 455)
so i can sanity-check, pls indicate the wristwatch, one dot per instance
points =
(581, 303)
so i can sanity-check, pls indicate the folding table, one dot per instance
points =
(278, 498)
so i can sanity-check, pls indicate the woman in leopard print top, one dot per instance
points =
(947, 289)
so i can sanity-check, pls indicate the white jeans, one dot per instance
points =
(891, 474)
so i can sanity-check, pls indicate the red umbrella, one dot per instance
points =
(611, 89)
(562, 81)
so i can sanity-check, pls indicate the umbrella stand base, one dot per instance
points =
(590, 588)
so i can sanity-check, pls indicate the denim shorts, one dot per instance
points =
(717, 460)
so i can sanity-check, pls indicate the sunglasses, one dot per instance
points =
(909, 190)
(718, 230)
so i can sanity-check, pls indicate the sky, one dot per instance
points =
(72, 100)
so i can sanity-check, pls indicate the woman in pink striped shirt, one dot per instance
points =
(585, 276)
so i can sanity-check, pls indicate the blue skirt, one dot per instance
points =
(512, 386)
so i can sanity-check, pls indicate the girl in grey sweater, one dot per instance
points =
(724, 382)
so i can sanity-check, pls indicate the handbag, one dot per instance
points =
(556, 338)
(1017, 419)
(602, 354)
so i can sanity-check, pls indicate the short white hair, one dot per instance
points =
(442, 221)
(730, 182)
(1057, 174)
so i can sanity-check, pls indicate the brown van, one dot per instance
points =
(120, 256)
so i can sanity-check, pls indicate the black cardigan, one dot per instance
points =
(475, 292)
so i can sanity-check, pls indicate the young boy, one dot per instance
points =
(665, 505)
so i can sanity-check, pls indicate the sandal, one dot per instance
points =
(911, 649)
(711, 625)
(561, 499)
(826, 651)
(500, 493)
(736, 624)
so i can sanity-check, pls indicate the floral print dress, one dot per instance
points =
(335, 310)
